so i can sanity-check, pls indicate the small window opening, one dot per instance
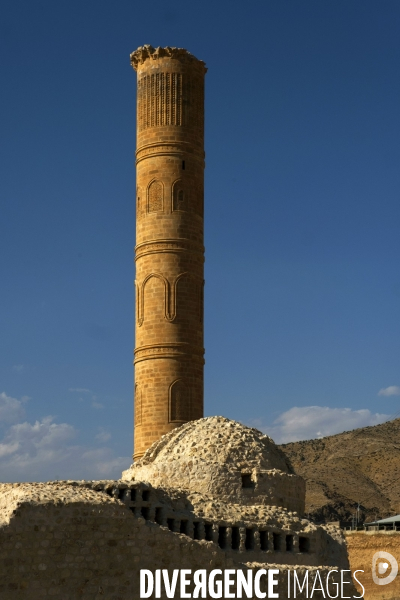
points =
(133, 495)
(183, 527)
(289, 543)
(304, 544)
(235, 538)
(209, 532)
(264, 540)
(246, 481)
(249, 544)
(222, 537)
(121, 493)
(146, 495)
(276, 541)
(159, 515)
(145, 512)
(170, 523)
(183, 165)
(196, 530)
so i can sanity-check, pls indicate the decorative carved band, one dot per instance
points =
(160, 100)
(147, 52)
(167, 98)
(167, 149)
(171, 245)
(170, 293)
(169, 350)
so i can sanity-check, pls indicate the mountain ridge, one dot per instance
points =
(356, 467)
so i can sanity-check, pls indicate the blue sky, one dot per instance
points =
(302, 305)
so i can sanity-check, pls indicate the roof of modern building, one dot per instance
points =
(387, 521)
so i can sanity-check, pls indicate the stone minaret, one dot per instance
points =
(169, 353)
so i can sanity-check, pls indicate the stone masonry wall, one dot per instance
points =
(362, 545)
(70, 541)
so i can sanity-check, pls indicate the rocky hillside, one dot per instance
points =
(360, 466)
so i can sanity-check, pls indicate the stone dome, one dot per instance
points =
(224, 459)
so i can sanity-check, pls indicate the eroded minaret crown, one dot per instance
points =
(169, 253)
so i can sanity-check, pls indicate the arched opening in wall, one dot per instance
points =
(138, 405)
(154, 298)
(276, 540)
(222, 537)
(145, 510)
(247, 482)
(249, 543)
(208, 532)
(196, 530)
(179, 197)
(133, 495)
(171, 524)
(146, 495)
(304, 544)
(264, 540)
(179, 402)
(184, 526)
(235, 538)
(185, 308)
(139, 207)
(289, 543)
(159, 515)
(155, 197)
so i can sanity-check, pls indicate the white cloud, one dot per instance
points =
(97, 405)
(308, 422)
(45, 450)
(103, 435)
(11, 409)
(392, 390)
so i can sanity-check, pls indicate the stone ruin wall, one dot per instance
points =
(81, 541)
(272, 488)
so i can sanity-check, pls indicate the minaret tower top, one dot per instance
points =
(147, 52)
(169, 253)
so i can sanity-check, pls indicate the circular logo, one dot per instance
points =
(385, 560)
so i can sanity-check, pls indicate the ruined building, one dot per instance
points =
(203, 493)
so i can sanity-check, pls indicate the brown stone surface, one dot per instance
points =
(169, 352)
(89, 540)
(359, 466)
(361, 548)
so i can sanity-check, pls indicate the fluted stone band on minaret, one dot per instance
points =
(169, 253)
